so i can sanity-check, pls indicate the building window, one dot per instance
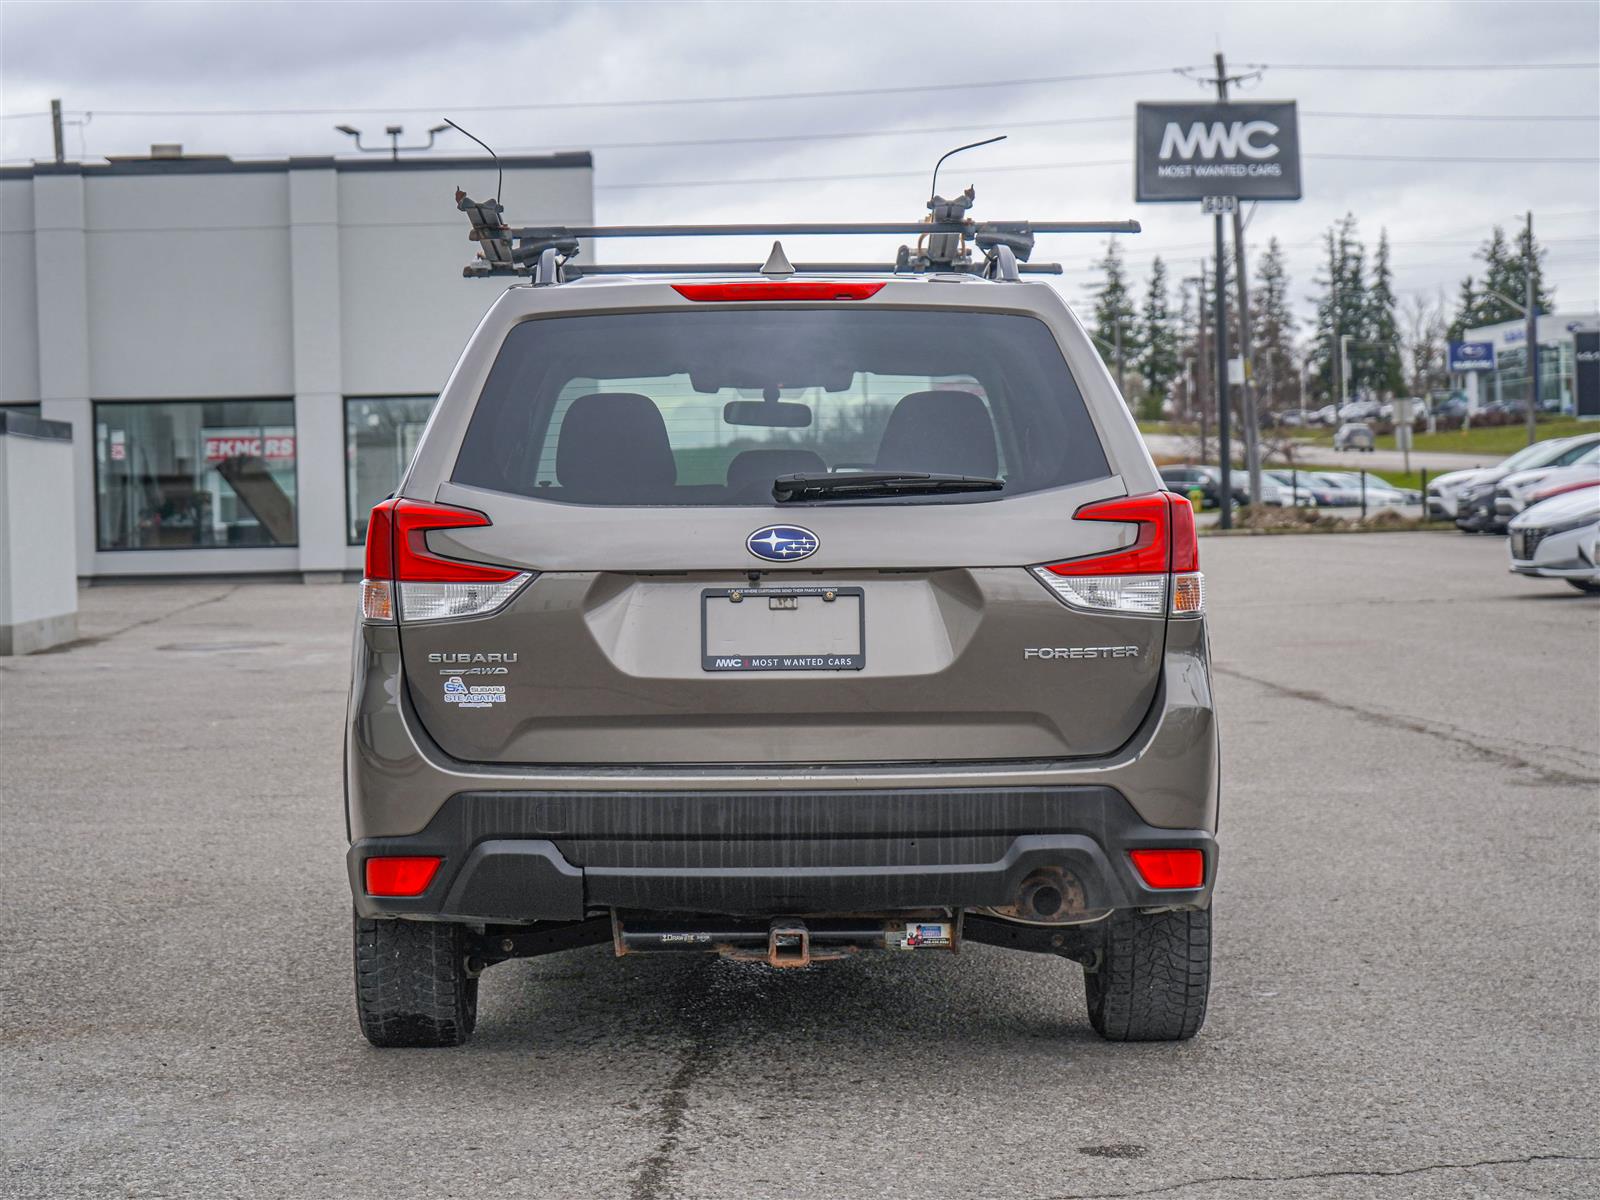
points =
(184, 474)
(380, 436)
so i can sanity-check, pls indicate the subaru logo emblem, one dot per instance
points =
(782, 543)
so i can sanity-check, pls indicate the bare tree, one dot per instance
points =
(1423, 334)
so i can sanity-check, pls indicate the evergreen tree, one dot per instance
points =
(1272, 328)
(1115, 316)
(1505, 272)
(1500, 275)
(1341, 310)
(1159, 364)
(1466, 314)
(1381, 367)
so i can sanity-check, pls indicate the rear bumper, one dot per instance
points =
(556, 856)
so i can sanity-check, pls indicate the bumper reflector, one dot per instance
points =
(400, 876)
(1170, 868)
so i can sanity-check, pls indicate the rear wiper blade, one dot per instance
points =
(803, 486)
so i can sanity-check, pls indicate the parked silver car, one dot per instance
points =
(1354, 435)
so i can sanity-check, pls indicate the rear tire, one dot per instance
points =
(412, 986)
(1586, 585)
(1153, 976)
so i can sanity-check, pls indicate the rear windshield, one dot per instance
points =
(709, 407)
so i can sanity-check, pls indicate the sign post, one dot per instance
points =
(1219, 154)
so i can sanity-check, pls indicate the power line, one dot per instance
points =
(1451, 158)
(1053, 166)
(652, 102)
(1571, 66)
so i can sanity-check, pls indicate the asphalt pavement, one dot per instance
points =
(1405, 999)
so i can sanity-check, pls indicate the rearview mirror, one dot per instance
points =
(776, 414)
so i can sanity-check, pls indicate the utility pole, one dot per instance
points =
(55, 128)
(1344, 372)
(1336, 370)
(1247, 400)
(1530, 304)
(1220, 307)
(1200, 360)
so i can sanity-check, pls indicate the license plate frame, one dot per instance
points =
(785, 661)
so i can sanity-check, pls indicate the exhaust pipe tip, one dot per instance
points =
(1041, 900)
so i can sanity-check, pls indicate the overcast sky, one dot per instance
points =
(367, 63)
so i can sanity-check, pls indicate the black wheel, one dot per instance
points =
(1586, 585)
(412, 985)
(1152, 978)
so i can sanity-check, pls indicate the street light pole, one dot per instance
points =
(1531, 314)
(1116, 349)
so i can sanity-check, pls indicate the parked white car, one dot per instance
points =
(1279, 489)
(1558, 538)
(1516, 492)
(1346, 485)
(1444, 491)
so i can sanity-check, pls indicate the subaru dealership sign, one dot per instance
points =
(1471, 356)
(1190, 151)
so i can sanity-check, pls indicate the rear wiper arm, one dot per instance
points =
(803, 486)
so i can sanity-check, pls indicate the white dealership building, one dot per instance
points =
(246, 351)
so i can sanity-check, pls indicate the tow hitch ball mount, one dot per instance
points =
(786, 941)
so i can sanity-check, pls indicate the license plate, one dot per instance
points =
(781, 628)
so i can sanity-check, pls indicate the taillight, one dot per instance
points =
(777, 289)
(1168, 869)
(428, 586)
(1158, 574)
(401, 876)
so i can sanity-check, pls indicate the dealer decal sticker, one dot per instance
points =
(458, 693)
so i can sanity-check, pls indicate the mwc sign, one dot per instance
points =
(1191, 151)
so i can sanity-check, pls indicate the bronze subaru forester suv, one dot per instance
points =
(785, 619)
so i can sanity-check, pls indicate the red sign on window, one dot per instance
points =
(271, 446)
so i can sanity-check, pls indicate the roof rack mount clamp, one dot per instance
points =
(948, 249)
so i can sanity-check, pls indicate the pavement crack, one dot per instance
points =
(97, 639)
(1456, 737)
(1355, 1173)
(672, 1107)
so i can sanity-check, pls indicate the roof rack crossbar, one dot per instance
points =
(577, 271)
(972, 229)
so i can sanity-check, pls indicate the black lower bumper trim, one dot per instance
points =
(554, 856)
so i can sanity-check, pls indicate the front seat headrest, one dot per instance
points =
(613, 445)
(751, 467)
(948, 432)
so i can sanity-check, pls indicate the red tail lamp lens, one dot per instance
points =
(1149, 553)
(397, 544)
(777, 290)
(400, 876)
(1164, 869)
